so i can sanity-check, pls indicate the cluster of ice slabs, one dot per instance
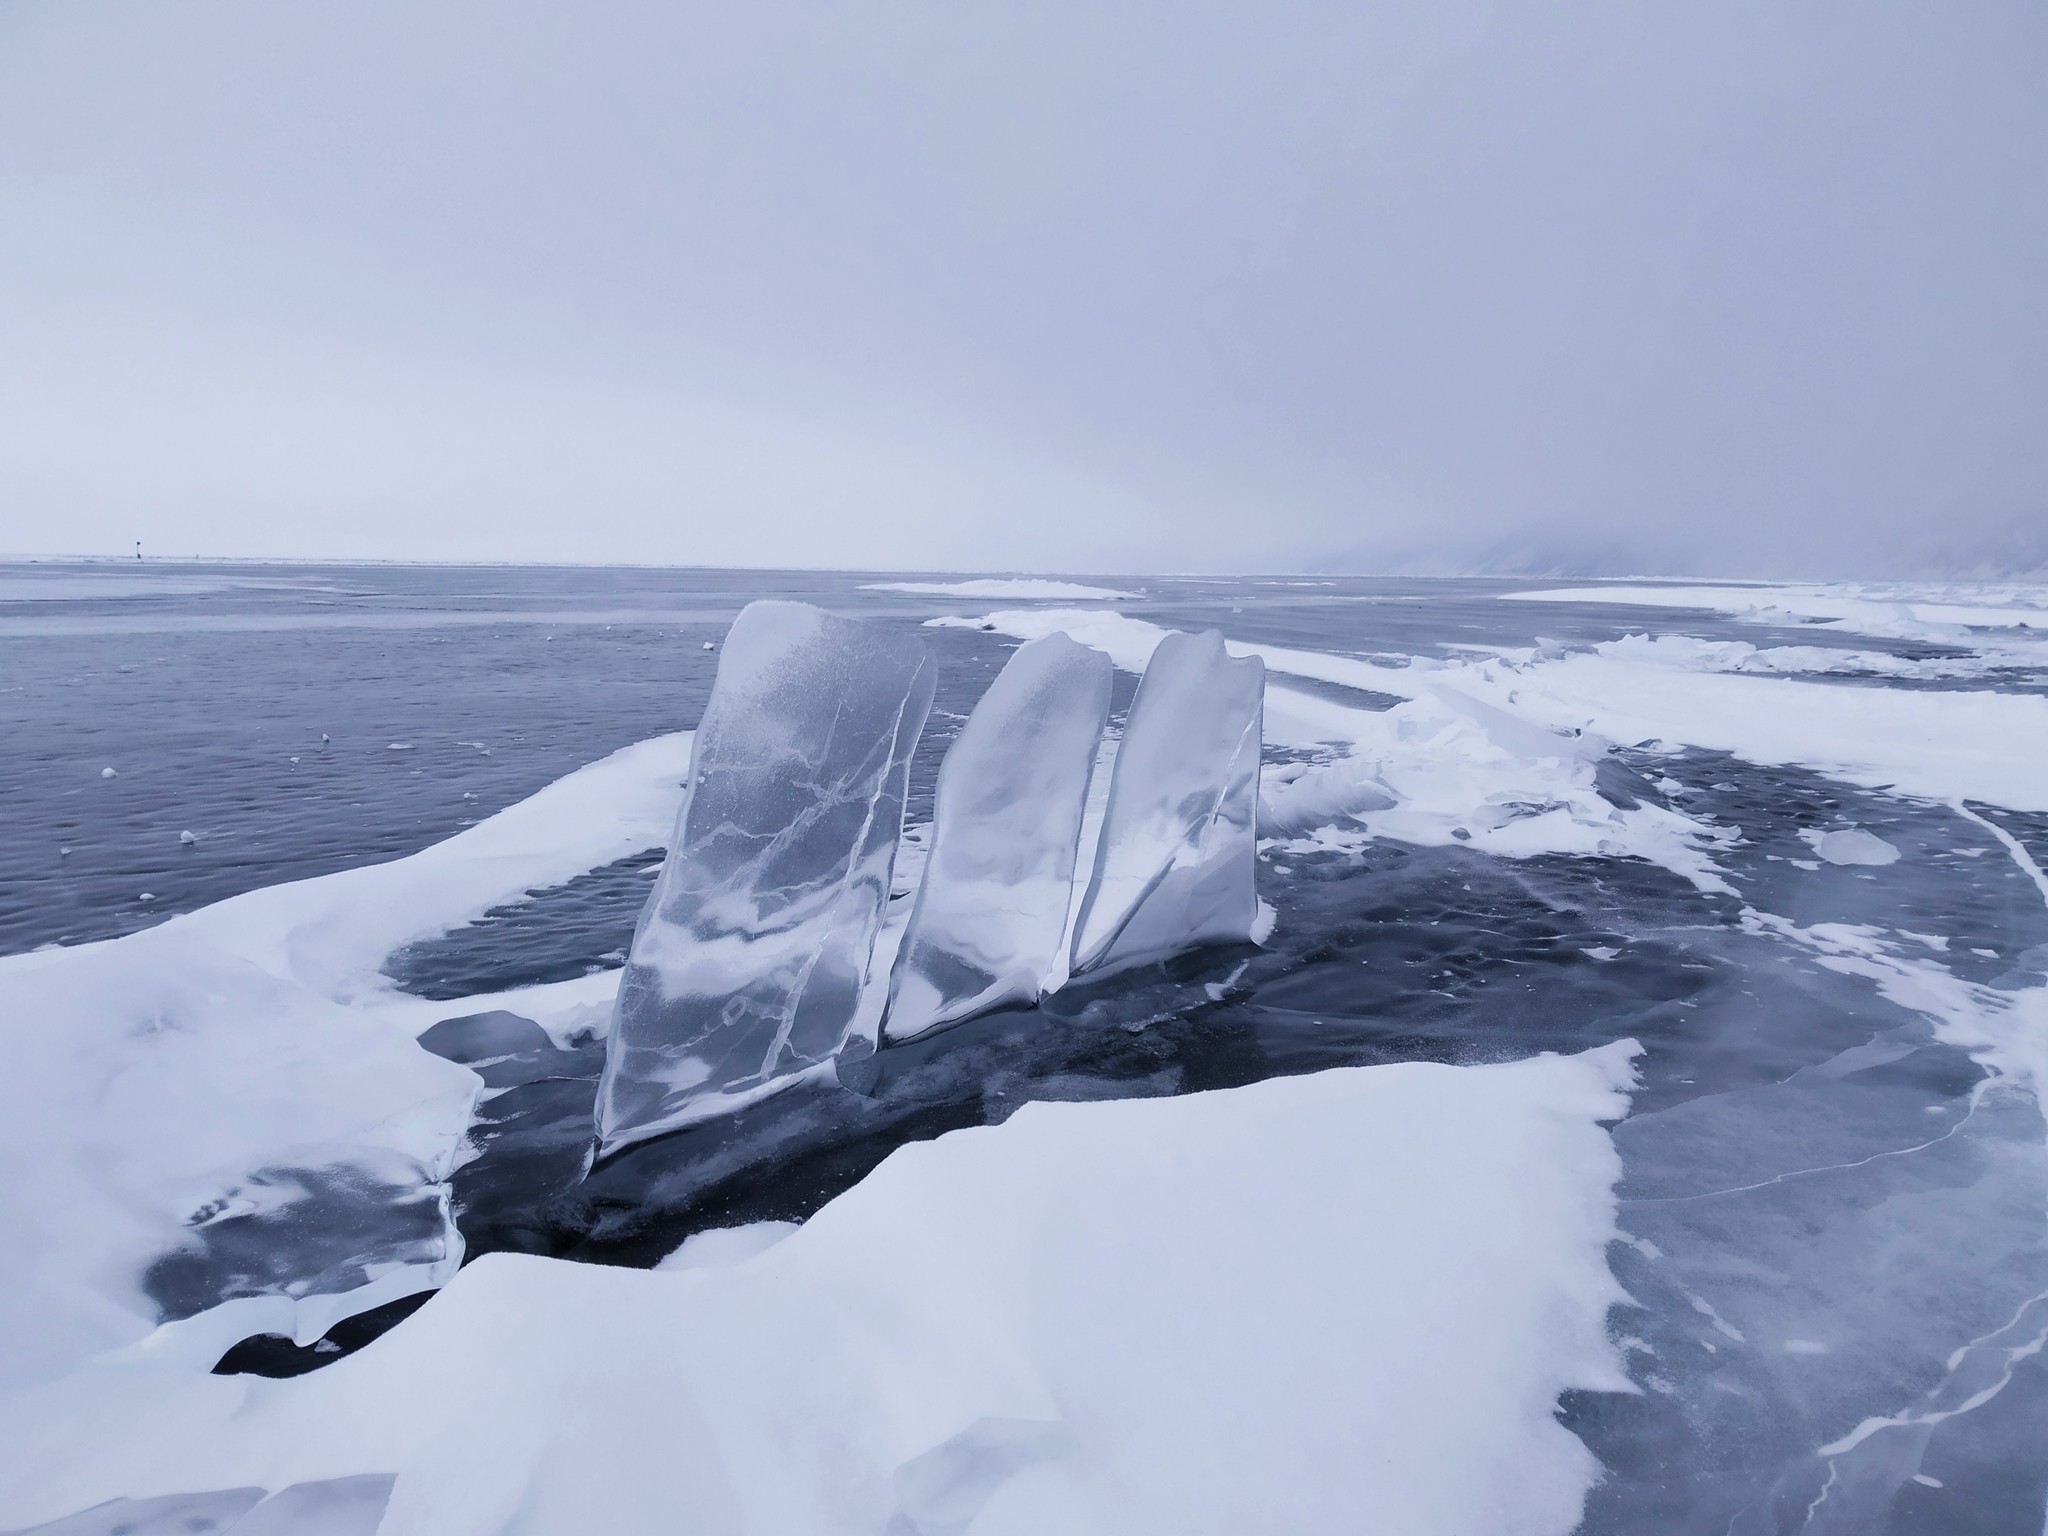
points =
(750, 962)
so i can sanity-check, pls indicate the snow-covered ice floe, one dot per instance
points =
(230, 1128)
(750, 960)
(1904, 609)
(1277, 1307)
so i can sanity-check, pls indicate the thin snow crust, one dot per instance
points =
(1268, 1308)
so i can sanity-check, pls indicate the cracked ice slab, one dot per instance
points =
(1175, 865)
(992, 908)
(747, 966)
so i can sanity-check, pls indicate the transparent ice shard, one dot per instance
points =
(1175, 865)
(749, 959)
(992, 908)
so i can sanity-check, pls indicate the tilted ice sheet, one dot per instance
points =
(1380, 1281)
(1176, 863)
(749, 961)
(227, 1112)
(992, 908)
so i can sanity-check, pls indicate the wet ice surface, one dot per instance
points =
(1835, 1214)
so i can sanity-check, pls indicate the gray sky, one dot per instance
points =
(1682, 284)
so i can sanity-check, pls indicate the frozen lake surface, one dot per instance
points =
(1776, 852)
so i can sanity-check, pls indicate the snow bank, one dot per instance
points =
(1445, 766)
(1694, 655)
(1908, 611)
(1935, 744)
(1315, 1304)
(1930, 743)
(987, 586)
(247, 1060)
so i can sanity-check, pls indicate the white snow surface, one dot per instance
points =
(1288, 1307)
(150, 1076)
(1004, 586)
(1686, 652)
(1902, 610)
(1540, 719)
(1445, 766)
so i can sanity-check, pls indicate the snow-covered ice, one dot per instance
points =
(243, 1078)
(1174, 865)
(1829, 1227)
(999, 875)
(750, 959)
(1270, 1308)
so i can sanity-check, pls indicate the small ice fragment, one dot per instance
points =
(188, 838)
(1804, 1347)
(1177, 861)
(992, 906)
(709, 646)
(1988, 954)
(147, 896)
(1263, 924)
(1854, 846)
(398, 746)
(748, 963)
(295, 762)
(63, 853)
(107, 773)
(1925, 1481)
(1600, 952)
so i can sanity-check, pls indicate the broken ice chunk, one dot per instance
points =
(992, 908)
(1852, 845)
(1176, 864)
(748, 962)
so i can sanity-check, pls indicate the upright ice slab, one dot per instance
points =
(992, 908)
(1175, 864)
(748, 962)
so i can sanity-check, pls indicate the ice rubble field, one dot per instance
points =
(1351, 1298)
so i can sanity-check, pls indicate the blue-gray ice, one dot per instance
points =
(748, 962)
(1175, 863)
(1006, 829)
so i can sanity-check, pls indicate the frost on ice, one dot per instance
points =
(749, 959)
(992, 909)
(1175, 864)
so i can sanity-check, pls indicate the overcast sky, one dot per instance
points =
(1116, 285)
